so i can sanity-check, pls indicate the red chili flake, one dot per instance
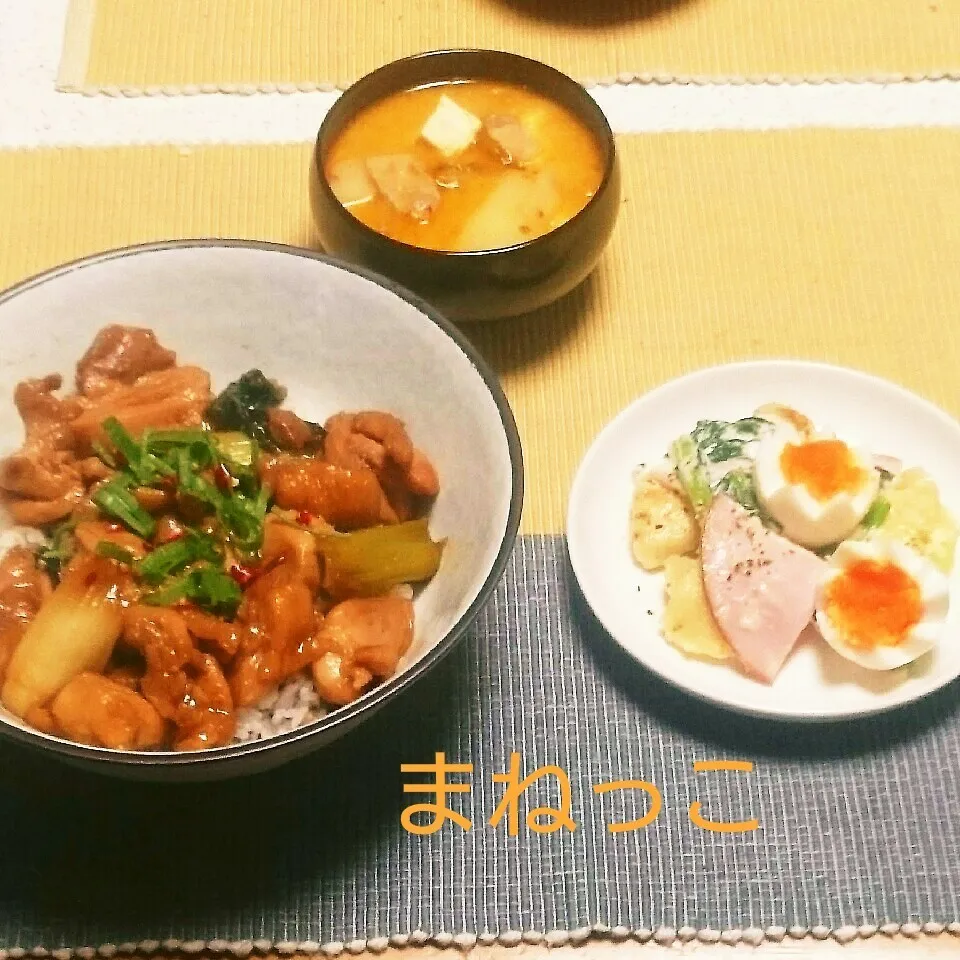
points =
(114, 527)
(222, 478)
(305, 517)
(241, 574)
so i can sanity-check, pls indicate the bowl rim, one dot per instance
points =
(608, 139)
(370, 702)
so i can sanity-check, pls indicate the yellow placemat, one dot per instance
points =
(824, 244)
(135, 46)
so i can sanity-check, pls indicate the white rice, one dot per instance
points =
(295, 703)
(15, 536)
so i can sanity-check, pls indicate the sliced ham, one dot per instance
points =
(760, 586)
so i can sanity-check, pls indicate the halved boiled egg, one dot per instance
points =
(881, 604)
(817, 488)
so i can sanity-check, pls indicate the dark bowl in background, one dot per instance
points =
(485, 284)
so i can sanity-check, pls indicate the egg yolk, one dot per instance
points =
(873, 603)
(824, 467)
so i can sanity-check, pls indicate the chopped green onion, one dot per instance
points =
(113, 551)
(242, 518)
(164, 560)
(176, 438)
(143, 465)
(115, 500)
(202, 454)
(214, 589)
(124, 480)
(175, 555)
(209, 587)
(196, 443)
(174, 592)
(122, 440)
(104, 454)
(193, 484)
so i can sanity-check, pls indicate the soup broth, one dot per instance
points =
(471, 165)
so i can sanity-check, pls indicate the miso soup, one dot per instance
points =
(465, 165)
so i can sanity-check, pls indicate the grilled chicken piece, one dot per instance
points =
(402, 179)
(512, 138)
(105, 713)
(121, 355)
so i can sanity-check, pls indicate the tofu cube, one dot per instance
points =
(450, 128)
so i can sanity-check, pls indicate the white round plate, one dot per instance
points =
(815, 683)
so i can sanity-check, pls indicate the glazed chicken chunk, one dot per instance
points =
(196, 557)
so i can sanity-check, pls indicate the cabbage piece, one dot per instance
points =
(74, 631)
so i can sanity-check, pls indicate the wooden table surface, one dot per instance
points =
(880, 946)
(33, 113)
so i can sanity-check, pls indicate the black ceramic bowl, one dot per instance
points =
(332, 335)
(485, 284)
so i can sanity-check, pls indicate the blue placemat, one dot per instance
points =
(858, 824)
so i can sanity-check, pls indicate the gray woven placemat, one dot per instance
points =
(859, 823)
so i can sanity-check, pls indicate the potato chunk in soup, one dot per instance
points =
(519, 207)
(523, 166)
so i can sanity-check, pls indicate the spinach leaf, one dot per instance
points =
(720, 440)
(243, 406)
(739, 485)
